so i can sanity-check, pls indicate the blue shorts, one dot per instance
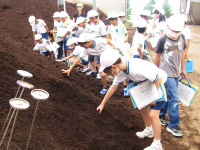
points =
(136, 56)
(158, 105)
(45, 36)
(84, 62)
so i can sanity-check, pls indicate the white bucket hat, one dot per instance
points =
(146, 13)
(121, 14)
(112, 15)
(79, 5)
(31, 20)
(80, 20)
(92, 13)
(84, 37)
(72, 41)
(56, 14)
(108, 58)
(141, 23)
(38, 36)
(63, 14)
(176, 22)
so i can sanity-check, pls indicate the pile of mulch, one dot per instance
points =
(68, 119)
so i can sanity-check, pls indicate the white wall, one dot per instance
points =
(105, 6)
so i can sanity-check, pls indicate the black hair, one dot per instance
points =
(108, 69)
(81, 43)
(112, 19)
(162, 17)
(143, 16)
(141, 30)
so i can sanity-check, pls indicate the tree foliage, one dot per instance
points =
(129, 10)
(167, 9)
(150, 5)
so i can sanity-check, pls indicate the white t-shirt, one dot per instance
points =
(41, 46)
(77, 51)
(57, 24)
(99, 29)
(140, 70)
(100, 45)
(160, 26)
(39, 27)
(187, 33)
(138, 40)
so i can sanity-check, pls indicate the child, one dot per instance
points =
(72, 44)
(170, 56)
(139, 39)
(81, 23)
(39, 27)
(41, 44)
(95, 47)
(136, 70)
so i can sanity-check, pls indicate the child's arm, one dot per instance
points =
(111, 44)
(157, 84)
(157, 59)
(126, 37)
(110, 92)
(66, 58)
(140, 51)
(66, 34)
(70, 69)
(184, 74)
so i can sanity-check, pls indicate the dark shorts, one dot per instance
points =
(91, 58)
(158, 105)
(47, 53)
(84, 62)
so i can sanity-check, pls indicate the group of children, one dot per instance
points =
(86, 40)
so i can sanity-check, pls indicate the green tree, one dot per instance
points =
(150, 6)
(167, 9)
(129, 10)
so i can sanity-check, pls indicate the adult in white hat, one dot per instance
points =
(80, 12)
(122, 16)
(170, 57)
(159, 21)
(38, 27)
(98, 29)
(136, 70)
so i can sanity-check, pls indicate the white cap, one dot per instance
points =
(141, 23)
(79, 5)
(108, 58)
(159, 8)
(63, 14)
(146, 13)
(176, 22)
(56, 14)
(84, 37)
(112, 15)
(72, 41)
(31, 19)
(38, 36)
(92, 13)
(121, 14)
(80, 20)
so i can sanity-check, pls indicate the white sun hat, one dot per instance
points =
(79, 5)
(146, 13)
(72, 41)
(63, 14)
(56, 14)
(84, 37)
(176, 22)
(141, 23)
(121, 14)
(38, 36)
(112, 15)
(31, 20)
(80, 20)
(108, 58)
(92, 13)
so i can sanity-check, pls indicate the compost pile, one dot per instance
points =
(68, 119)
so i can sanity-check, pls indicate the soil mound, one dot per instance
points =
(68, 119)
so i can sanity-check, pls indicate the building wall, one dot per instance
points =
(105, 6)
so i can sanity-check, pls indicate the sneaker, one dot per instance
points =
(154, 146)
(84, 69)
(175, 131)
(126, 93)
(104, 91)
(163, 121)
(145, 133)
(91, 73)
(98, 76)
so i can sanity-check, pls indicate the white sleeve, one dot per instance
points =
(188, 34)
(109, 30)
(119, 78)
(33, 29)
(43, 23)
(83, 54)
(36, 47)
(103, 29)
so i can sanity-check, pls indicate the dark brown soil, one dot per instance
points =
(68, 119)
